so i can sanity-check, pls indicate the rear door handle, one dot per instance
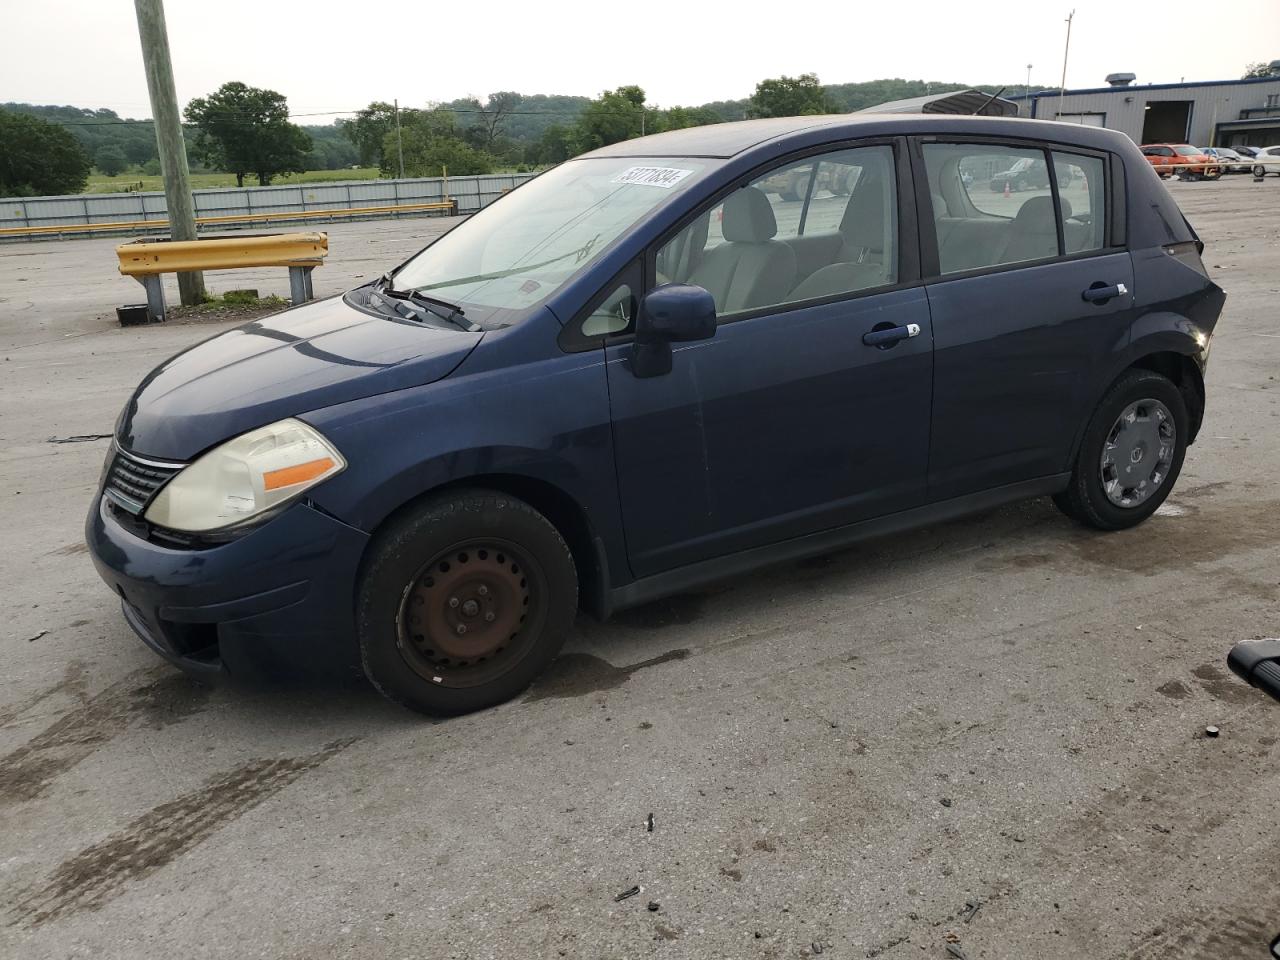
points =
(1101, 292)
(888, 336)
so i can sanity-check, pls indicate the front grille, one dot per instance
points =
(132, 481)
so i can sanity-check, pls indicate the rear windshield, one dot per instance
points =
(517, 251)
(1186, 151)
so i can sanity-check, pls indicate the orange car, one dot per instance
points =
(1181, 158)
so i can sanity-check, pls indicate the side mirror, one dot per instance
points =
(671, 313)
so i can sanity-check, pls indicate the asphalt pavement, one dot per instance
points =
(986, 734)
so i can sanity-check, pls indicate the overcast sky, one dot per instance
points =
(85, 52)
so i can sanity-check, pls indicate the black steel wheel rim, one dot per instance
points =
(472, 612)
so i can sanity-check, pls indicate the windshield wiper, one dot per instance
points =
(581, 253)
(420, 304)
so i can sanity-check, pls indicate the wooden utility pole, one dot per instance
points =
(399, 141)
(1062, 89)
(168, 126)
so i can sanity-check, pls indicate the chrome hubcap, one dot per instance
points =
(1138, 453)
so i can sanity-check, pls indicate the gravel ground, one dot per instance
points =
(839, 755)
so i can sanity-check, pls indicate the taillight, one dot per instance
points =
(1188, 254)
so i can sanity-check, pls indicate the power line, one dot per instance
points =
(458, 111)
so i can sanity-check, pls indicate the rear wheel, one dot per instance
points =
(1259, 171)
(1131, 453)
(463, 601)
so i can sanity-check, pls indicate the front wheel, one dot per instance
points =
(1259, 171)
(1130, 455)
(463, 601)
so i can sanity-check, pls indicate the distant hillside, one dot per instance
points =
(537, 113)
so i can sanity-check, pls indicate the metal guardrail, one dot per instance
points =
(146, 260)
(449, 206)
(34, 218)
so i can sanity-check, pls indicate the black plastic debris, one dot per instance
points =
(80, 438)
(649, 824)
(654, 906)
(626, 894)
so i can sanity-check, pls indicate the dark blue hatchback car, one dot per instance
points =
(665, 362)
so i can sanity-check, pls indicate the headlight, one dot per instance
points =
(245, 477)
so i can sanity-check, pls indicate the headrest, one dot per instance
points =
(1037, 214)
(863, 220)
(940, 208)
(748, 216)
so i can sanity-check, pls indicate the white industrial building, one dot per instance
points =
(1215, 113)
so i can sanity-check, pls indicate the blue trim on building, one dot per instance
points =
(1143, 86)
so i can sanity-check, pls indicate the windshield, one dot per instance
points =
(1186, 151)
(514, 253)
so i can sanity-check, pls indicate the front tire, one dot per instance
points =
(1131, 453)
(463, 601)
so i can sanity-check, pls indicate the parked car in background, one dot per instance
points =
(1230, 161)
(1266, 160)
(1181, 160)
(641, 372)
(1025, 174)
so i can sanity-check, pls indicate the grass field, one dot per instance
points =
(125, 182)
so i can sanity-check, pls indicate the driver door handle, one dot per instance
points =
(890, 335)
(1101, 292)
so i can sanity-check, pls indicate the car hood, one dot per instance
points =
(284, 365)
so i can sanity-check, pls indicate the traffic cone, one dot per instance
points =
(1006, 189)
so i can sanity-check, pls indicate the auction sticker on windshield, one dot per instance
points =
(665, 177)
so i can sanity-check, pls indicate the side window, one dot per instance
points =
(1082, 193)
(819, 227)
(992, 205)
(613, 314)
(611, 311)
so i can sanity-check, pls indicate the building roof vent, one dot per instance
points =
(1121, 79)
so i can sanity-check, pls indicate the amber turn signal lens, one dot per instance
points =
(299, 473)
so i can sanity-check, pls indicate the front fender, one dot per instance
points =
(545, 420)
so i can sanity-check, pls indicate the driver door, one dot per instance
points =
(786, 422)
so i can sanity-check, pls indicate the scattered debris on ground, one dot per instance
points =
(80, 438)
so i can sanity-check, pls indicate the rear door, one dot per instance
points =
(785, 422)
(1031, 292)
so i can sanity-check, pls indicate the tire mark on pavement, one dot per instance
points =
(99, 873)
(164, 698)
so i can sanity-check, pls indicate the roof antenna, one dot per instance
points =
(990, 100)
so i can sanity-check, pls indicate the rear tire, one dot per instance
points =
(1131, 453)
(463, 601)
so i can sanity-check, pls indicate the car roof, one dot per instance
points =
(724, 140)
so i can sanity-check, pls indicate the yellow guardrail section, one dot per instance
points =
(230, 218)
(141, 258)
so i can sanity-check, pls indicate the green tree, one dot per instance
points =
(495, 113)
(800, 96)
(243, 129)
(370, 128)
(1257, 69)
(431, 140)
(557, 144)
(616, 116)
(110, 160)
(677, 118)
(39, 158)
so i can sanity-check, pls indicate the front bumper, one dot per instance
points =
(277, 601)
